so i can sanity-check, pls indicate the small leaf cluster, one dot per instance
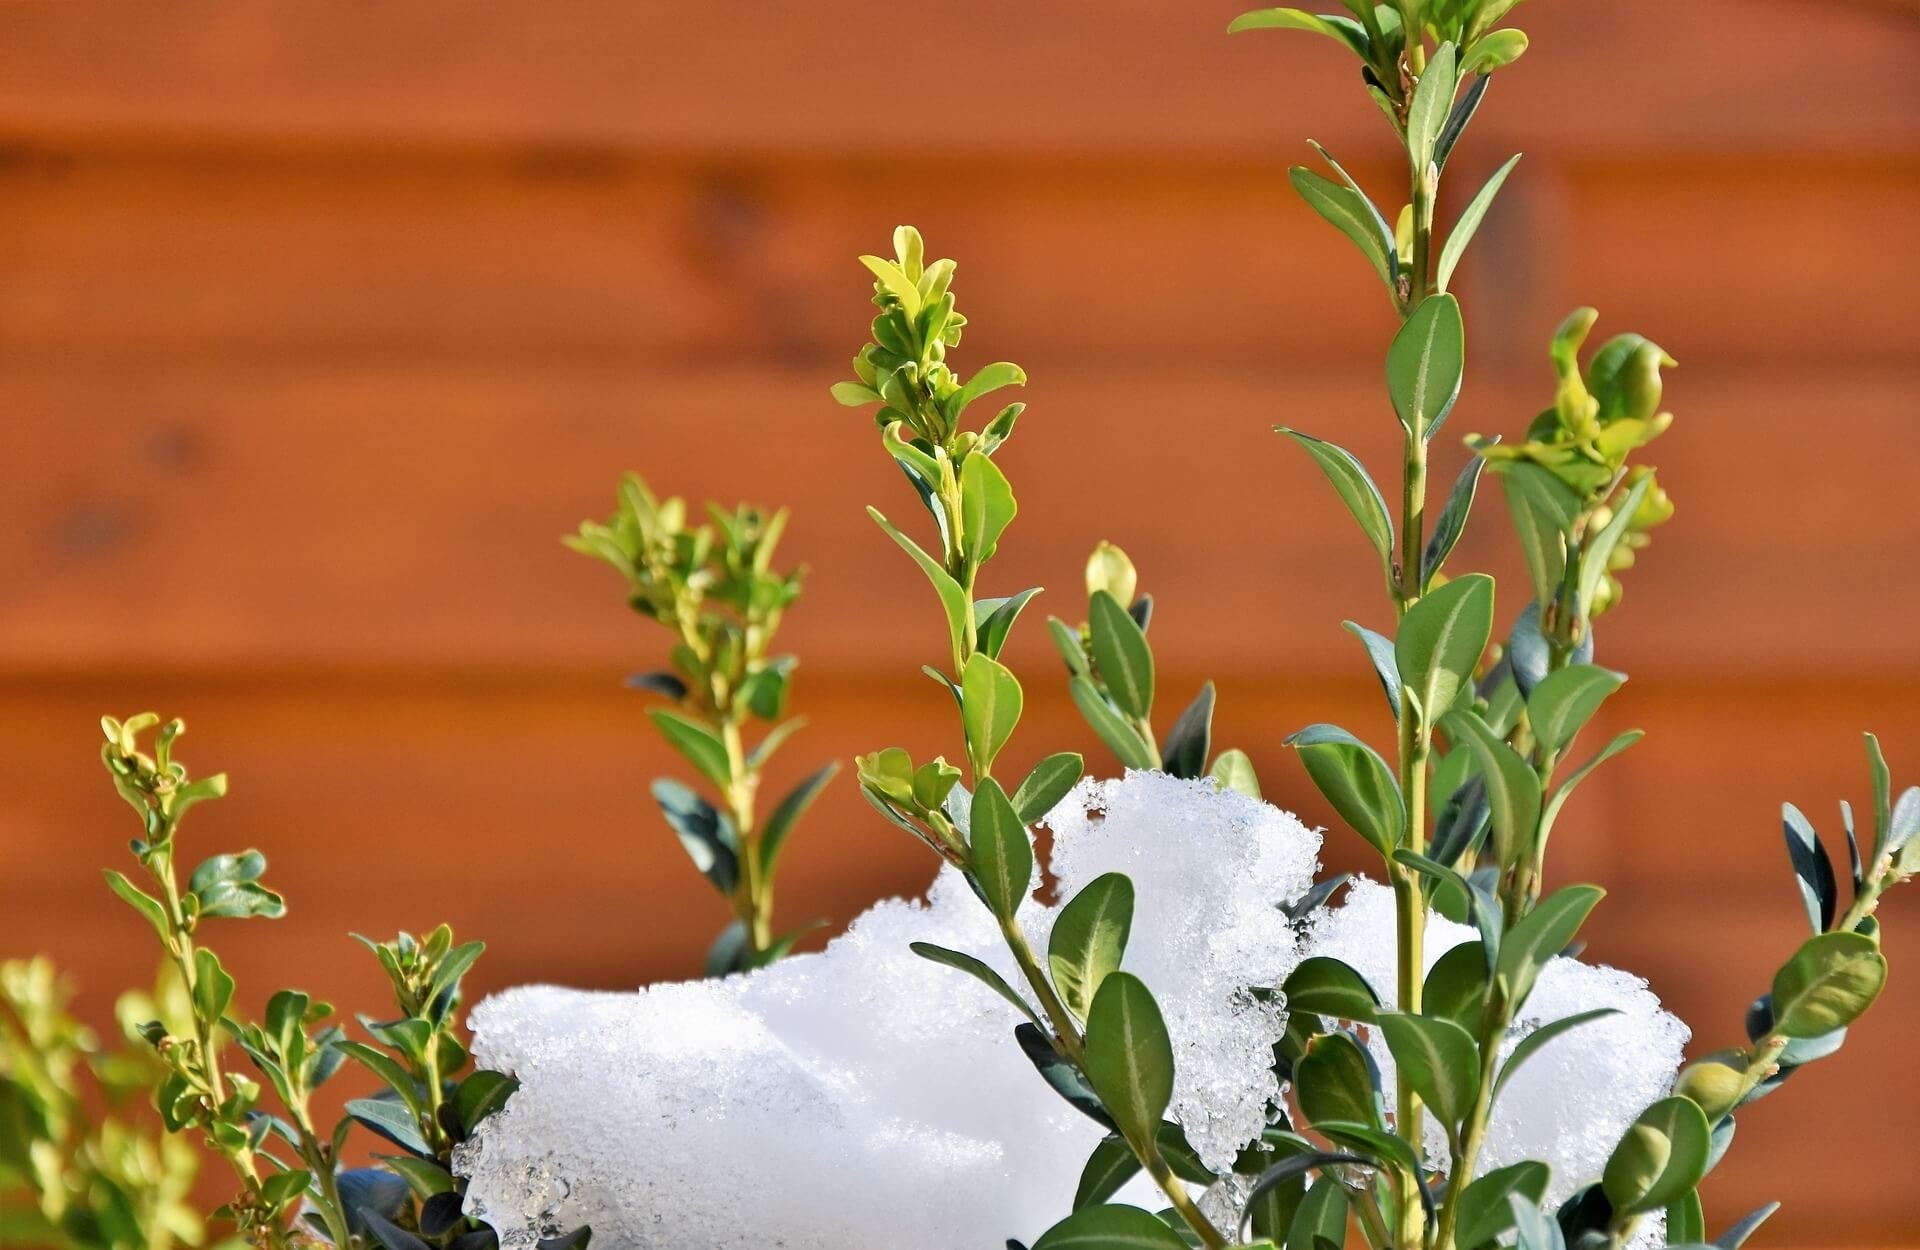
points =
(293, 1190)
(80, 1168)
(715, 587)
(1389, 40)
(1581, 510)
(1110, 674)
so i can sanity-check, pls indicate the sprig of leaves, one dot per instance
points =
(714, 586)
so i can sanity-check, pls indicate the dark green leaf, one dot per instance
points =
(1190, 741)
(1540, 935)
(1425, 364)
(1440, 1060)
(1485, 1212)
(1058, 1072)
(1543, 509)
(1661, 1157)
(1463, 230)
(1453, 520)
(1440, 642)
(392, 1121)
(1531, 1044)
(1001, 856)
(1327, 987)
(1355, 488)
(1456, 987)
(1121, 738)
(1110, 1228)
(1043, 788)
(974, 968)
(1811, 868)
(780, 822)
(1349, 212)
(1335, 1081)
(1121, 653)
(1380, 652)
(1129, 1056)
(1513, 788)
(706, 833)
(1356, 781)
(996, 617)
(1111, 1165)
(1745, 1227)
(662, 683)
(480, 1095)
(701, 745)
(389, 1235)
(142, 902)
(1565, 789)
(1560, 706)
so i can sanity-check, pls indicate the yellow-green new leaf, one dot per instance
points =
(990, 707)
(986, 508)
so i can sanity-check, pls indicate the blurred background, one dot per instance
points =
(319, 324)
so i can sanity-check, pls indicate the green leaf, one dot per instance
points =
(391, 1120)
(246, 866)
(1233, 770)
(1356, 490)
(780, 822)
(1110, 1228)
(1543, 509)
(1882, 796)
(1432, 101)
(1485, 1212)
(1349, 213)
(1120, 651)
(1111, 1165)
(240, 900)
(1440, 642)
(1129, 1058)
(1565, 789)
(952, 599)
(1599, 548)
(1089, 938)
(388, 1069)
(1736, 1236)
(1184, 752)
(986, 508)
(706, 833)
(1812, 870)
(985, 380)
(1513, 788)
(1344, 31)
(991, 703)
(1456, 986)
(1453, 520)
(1325, 986)
(1066, 640)
(1440, 1060)
(1687, 1221)
(1498, 50)
(1531, 1044)
(1002, 857)
(1660, 1159)
(1830, 981)
(701, 745)
(481, 1094)
(975, 968)
(996, 618)
(1321, 1220)
(142, 902)
(1380, 652)
(1560, 706)
(1121, 738)
(855, 394)
(1425, 364)
(1356, 781)
(1540, 935)
(1043, 788)
(1456, 245)
(212, 987)
(1335, 1081)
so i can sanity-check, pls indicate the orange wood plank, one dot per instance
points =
(1747, 75)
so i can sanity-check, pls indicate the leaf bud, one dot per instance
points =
(1109, 569)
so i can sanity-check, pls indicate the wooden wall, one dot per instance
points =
(319, 324)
